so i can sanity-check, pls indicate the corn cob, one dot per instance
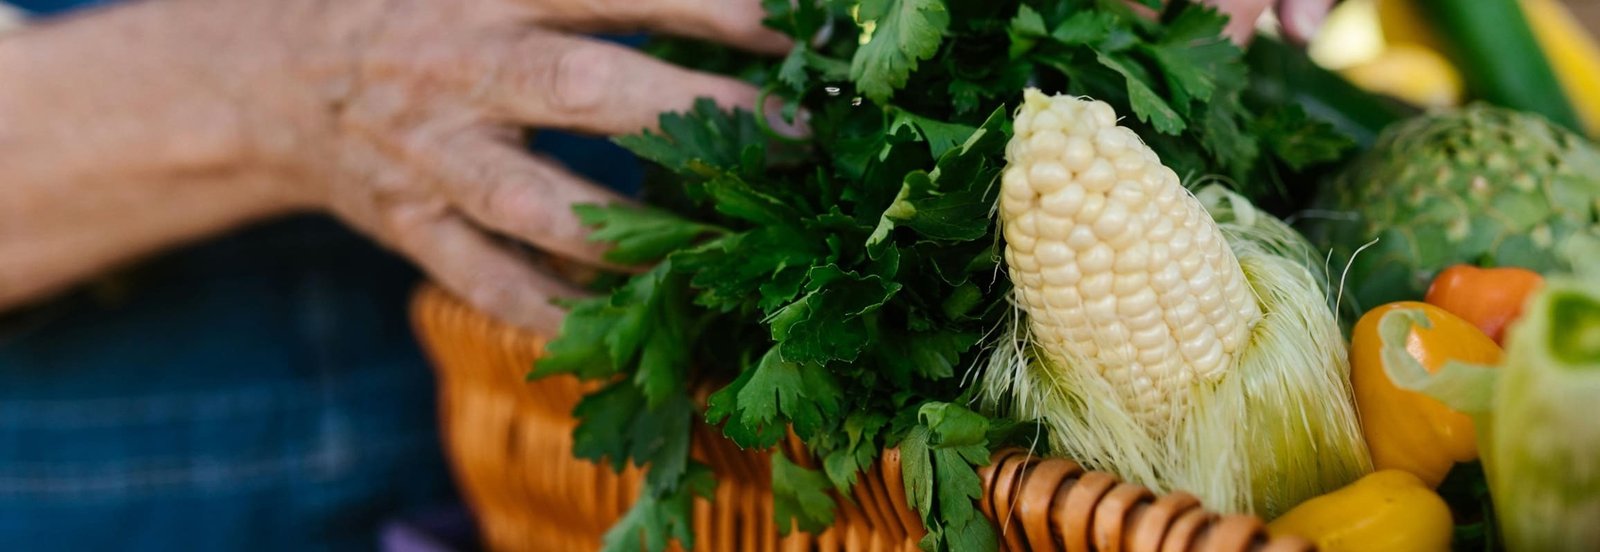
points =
(1155, 343)
(1143, 280)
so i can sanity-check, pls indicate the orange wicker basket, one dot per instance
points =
(510, 441)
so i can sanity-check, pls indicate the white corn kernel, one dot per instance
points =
(1052, 253)
(1064, 202)
(1078, 153)
(1048, 176)
(1099, 176)
(1097, 284)
(1114, 260)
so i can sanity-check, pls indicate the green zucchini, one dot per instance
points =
(1499, 57)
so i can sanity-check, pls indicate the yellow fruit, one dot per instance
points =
(1403, 23)
(1572, 53)
(1412, 73)
(1389, 510)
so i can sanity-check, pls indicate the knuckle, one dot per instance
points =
(579, 79)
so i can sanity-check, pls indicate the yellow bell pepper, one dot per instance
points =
(1404, 429)
(1388, 510)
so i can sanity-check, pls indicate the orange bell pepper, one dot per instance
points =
(1489, 298)
(1404, 429)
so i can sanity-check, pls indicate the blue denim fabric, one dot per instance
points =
(51, 7)
(260, 392)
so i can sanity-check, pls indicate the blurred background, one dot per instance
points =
(312, 283)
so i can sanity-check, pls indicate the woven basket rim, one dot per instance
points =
(1038, 503)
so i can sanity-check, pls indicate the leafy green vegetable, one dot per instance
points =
(640, 234)
(896, 35)
(656, 518)
(838, 287)
(801, 495)
(938, 459)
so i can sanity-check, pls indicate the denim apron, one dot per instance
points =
(259, 392)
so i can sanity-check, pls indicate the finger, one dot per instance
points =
(511, 192)
(490, 277)
(589, 86)
(1302, 18)
(733, 22)
(1242, 17)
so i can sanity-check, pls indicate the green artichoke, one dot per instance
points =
(1482, 185)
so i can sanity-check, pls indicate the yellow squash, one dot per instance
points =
(1404, 429)
(1571, 50)
(1388, 510)
(1573, 54)
(1412, 73)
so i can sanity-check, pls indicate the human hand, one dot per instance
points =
(1300, 18)
(401, 117)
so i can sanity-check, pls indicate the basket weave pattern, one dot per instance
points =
(510, 442)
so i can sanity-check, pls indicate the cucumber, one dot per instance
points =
(1499, 57)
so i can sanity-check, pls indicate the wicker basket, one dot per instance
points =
(511, 445)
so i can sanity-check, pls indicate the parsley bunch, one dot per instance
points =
(839, 287)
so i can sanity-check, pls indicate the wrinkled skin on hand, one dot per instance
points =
(403, 118)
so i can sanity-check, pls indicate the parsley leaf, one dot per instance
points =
(1026, 28)
(1299, 140)
(768, 262)
(639, 234)
(897, 34)
(702, 143)
(618, 428)
(737, 199)
(939, 135)
(1194, 56)
(793, 70)
(828, 322)
(942, 482)
(580, 348)
(953, 202)
(799, 497)
(951, 425)
(1149, 106)
(860, 449)
(655, 519)
(1084, 27)
(805, 393)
